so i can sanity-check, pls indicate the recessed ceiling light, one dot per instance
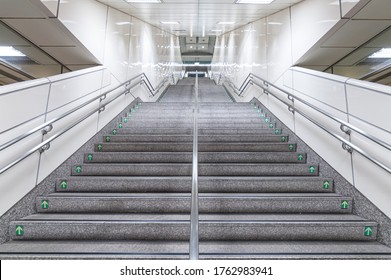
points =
(123, 23)
(264, 2)
(253, 1)
(226, 22)
(169, 22)
(383, 53)
(144, 1)
(10, 51)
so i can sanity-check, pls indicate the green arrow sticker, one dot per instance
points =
(120, 125)
(100, 147)
(125, 120)
(266, 120)
(291, 147)
(368, 231)
(108, 138)
(90, 157)
(78, 169)
(114, 132)
(64, 184)
(276, 131)
(312, 169)
(45, 204)
(283, 139)
(326, 185)
(262, 116)
(344, 204)
(300, 157)
(19, 231)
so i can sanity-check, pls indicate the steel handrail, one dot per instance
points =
(56, 119)
(342, 122)
(45, 145)
(194, 214)
(150, 87)
(346, 145)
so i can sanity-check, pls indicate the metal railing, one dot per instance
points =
(194, 218)
(48, 126)
(344, 126)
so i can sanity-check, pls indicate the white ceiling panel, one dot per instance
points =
(198, 17)
(20, 9)
(351, 33)
(37, 30)
(376, 9)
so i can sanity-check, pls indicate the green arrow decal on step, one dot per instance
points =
(326, 185)
(262, 116)
(114, 132)
(368, 231)
(45, 204)
(266, 120)
(100, 147)
(120, 125)
(125, 120)
(291, 147)
(283, 139)
(78, 169)
(312, 169)
(64, 184)
(108, 138)
(344, 204)
(300, 157)
(90, 157)
(276, 131)
(19, 230)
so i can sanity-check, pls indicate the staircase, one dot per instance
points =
(261, 196)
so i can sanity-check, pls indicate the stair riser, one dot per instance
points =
(201, 138)
(207, 185)
(186, 170)
(223, 231)
(187, 157)
(188, 147)
(182, 205)
(201, 125)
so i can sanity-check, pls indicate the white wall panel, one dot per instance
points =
(30, 102)
(373, 182)
(117, 43)
(70, 87)
(279, 41)
(368, 105)
(310, 21)
(327, 88)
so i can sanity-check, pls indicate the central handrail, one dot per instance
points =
(194, 214)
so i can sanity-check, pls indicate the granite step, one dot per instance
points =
(212, 227)
(206, 184)
(228, 203)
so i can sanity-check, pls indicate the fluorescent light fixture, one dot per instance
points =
(216, 30)
(383, 53)
(226, 22)
(169, 22)
(10, 51)
(123, 23)
(144, 1)
(264, 2)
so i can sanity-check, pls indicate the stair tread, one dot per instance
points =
(206, 218)
(116, 249)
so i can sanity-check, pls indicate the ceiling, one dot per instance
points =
(199, 18)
